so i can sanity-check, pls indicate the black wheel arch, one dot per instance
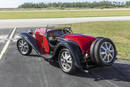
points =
(74, 49)
(31, 41)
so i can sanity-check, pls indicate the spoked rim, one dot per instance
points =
(66, 61)
(23, 46)
(107, 52)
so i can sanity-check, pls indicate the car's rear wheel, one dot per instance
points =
(23, 47)
(104, 52)
(66, 61)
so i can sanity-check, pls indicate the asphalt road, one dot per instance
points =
(32, 71)
(10, 23)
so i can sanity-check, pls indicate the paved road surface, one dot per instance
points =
(32, 71)
(10, 23)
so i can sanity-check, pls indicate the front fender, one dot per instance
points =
(74, 49)
(31, 40)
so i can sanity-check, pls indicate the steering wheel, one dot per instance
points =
(67, 30)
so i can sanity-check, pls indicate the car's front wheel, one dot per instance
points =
(23, 47)
(66, 61)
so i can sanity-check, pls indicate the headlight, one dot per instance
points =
(86, 55)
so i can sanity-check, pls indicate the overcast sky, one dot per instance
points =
(15, 3)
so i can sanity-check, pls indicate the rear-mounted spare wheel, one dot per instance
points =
(103, 52)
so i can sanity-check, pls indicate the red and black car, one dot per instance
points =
(71, 50)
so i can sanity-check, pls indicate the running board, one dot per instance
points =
(47, 56)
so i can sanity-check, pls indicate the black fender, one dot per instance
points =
(99, 37)
(31, 40)
(74, 49)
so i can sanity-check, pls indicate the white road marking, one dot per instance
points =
(3, 37)
(7, 43)
(2, 41)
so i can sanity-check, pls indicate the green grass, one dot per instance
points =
(118, 31)
(62, 14)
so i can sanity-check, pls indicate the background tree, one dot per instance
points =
(101, 4)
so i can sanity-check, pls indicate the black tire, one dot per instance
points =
(102, 59)
(73, 69)
(92, 51)
(29, 50)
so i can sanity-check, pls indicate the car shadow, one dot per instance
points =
(117, 72)
(34, 55)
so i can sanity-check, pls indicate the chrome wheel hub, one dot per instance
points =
(107, 52)
(66, 61)
(23, 46)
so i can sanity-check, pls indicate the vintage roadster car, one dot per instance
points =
(71, 50)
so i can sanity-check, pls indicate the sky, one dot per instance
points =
(16, 3)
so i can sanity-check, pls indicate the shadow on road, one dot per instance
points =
(116, 72)
(34, 55)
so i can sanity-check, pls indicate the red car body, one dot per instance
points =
(83, 41)
(83, 49)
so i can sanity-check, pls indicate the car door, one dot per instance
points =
(42, 42)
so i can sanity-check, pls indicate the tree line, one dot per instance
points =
(101, 4)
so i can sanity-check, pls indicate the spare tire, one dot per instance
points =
(104, 52)
(92, 51)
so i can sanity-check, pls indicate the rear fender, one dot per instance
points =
(31, 40)
(99, 37)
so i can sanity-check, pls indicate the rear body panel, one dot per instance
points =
(84, 41)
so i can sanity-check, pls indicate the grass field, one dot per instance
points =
(61, 14)
(118, 31)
